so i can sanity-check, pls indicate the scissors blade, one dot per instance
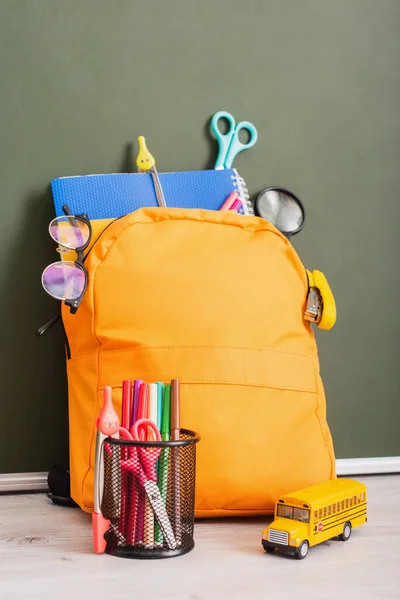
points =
(157, 504)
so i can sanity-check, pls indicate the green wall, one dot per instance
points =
(81, 79)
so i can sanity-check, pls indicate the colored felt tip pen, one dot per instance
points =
(175, 409)
(237, 205)
(175, 465)
(136, 387)
(165, 422)
(160, 392)
(152, 409)
(126, 403)
(163, 463)
(229, 201)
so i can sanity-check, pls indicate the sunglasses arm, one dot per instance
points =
(48, 325)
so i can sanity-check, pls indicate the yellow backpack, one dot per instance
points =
(217, 300)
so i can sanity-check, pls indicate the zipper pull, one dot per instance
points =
(48, 325)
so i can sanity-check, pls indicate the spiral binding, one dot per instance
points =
(241, 186)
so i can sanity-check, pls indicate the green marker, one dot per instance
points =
(160, 393)
(163, 461)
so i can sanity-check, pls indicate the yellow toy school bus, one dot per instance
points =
(315, 514)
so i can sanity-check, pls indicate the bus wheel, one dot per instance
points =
(302, 550)
(346, 532)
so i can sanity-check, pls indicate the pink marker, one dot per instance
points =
(236, 205)
(227, 205)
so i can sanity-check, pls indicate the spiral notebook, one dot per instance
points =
(115, 195)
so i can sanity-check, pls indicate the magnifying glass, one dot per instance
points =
(282, 208)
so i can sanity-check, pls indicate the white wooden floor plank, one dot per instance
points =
(46, 553)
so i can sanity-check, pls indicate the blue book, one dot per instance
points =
(115, 195)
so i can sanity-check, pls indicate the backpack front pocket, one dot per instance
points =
(260, 414)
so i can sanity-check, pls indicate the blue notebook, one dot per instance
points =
(115, 195)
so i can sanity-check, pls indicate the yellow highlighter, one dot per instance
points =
(321, 306)
(146, 164)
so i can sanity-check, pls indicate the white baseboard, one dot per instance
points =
(37, 482)
(23, 482)
(368, 466)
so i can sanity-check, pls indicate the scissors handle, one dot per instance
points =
(236, 145)
(229, 143)
(125, 434)
(142, 463)
(144, 424)
(147, 456)
(224, 139)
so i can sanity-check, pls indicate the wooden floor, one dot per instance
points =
(46, 553)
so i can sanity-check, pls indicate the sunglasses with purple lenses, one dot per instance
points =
(67, 280)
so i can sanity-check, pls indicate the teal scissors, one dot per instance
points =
(229, 143)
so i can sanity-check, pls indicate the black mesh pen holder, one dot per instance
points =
(149, 496)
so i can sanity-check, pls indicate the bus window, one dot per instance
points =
(342, 504)
(329, 509)
(362, 497)
(301, 514)
(324, 511)
(347, 503)
(286, 512)
(351, 502)
(333, 508)
(315, 515)
(320, 514)
(354, 500)
(358, 498)
(291, 512)
(338, 507)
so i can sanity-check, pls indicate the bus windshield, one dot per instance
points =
(291, 512)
